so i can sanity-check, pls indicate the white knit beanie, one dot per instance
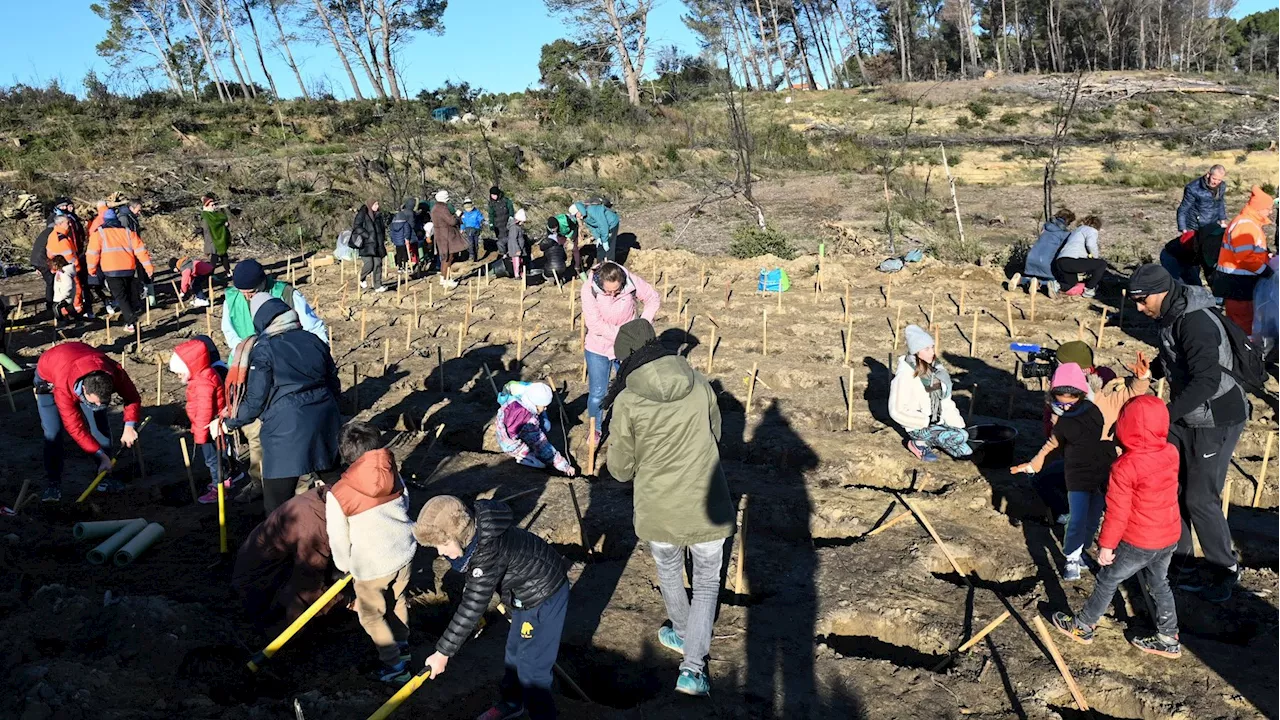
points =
(442, 196)
(918, 339)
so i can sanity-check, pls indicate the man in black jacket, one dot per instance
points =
(1208, 409)
(501, 209)
(527, 573)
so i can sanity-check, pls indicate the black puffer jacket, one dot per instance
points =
(370, 226)
(518, 565)
(1194, 350)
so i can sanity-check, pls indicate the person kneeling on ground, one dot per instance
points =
(665, 425)
(1039, 262)
(195, 274)
(73, 385)
(522, 424)
(920, 401)
(1087, 456)
(196, 363)
(367, 515)
(1141, 528)
(495, 555)
(284, 565)
(1079, 266)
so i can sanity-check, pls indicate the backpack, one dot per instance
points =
(1249, 366)
(774, 281)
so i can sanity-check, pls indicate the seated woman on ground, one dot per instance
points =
(1079, 266)
(1039, 262)
(522, 424)
(920, 401)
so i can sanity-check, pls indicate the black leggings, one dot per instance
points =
(402, 256)
(277, 491)
(1088, 270)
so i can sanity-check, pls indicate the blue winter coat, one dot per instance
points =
(402, 228)
(293, 388)
(601, 221)
(472, 219)
(1201, 205)
(1041, 255)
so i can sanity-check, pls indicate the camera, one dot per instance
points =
(1041, 362)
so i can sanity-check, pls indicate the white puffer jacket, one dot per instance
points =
(909, 402)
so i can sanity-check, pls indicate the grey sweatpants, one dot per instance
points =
(693, 622)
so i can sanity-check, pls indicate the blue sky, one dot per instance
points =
(493, 44)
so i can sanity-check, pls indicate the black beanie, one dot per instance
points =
(248, 275)
(632, 337)
(495, 190)
(1149, 279)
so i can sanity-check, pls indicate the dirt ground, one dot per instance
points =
(836, 623)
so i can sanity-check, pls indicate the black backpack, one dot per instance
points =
(1250, 369)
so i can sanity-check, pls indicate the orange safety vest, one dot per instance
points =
(1244, 244)
(63, 246)
(117, 251)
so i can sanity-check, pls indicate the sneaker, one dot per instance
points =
(669, 639)
(1062, 519)
(692, 683)
(211, 493)
(929, 456)
(1071, 570)
(199, 302)
(531, 461)
(89, 316)
(364, 285)
(1014, 282)
(111, 310)
(1076, 290)
(924, 454)
(397, 674)
(1069, 626)
(1219, 591)
(380, 289)
(51, 495)
(251, 493)
(505, 710)
(1089, 294)
(110, 485)
(1158, 644)
(1052, 288)
(130, 328)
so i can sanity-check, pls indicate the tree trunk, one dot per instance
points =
(905, 72)
(387, 58)
(777, 39)
(337, 46)
(764, 43)
(374, 79)
(232, 47)
(741, 25)
(370, 39)
(223, 94)
(631, 69)
(257, 43)
(853, 38)
(742, 54)
(1017, 37)
(802, 49)
(817, 41)
(175, 81)
(288, 54)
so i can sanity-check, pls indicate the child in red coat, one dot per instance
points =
(1141, 528)
(196, 362)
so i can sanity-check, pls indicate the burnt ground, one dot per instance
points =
(835, 623)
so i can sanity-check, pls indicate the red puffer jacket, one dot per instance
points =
(63, 366)
(205, 395)
(1142, 499)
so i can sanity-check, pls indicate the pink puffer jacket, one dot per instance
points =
(604, 314)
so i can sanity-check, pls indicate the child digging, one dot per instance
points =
(1086, 456)
(196, 362)
(495, 555)
(1141, 529)
(371, 537)
(920, 401)
(522, 424)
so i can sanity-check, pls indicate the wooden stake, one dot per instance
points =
(573, 307)
(960, 308)
(973, 336)
(928, 526)
(1008, 313)
(1079, 329)
(846, 302)
(764, 332)
(933, 306)
(386, 354)
(583, 341)
(415, 308)
(178, 294)
(951, 181)
(1063, 670)
(408, 334)
(1035, 291)
(137, 328)
(1160, 389)
(159, 380)
(751, 388)
(211, 297)
(462, 334)
(1102, 324)
(186, 460)
(897, 330)
(1124, 296)
(208, 320)
(577, 513)
(520, 343)
(355, 390)
(1226, 498)
(1262, 472)
(8, 391)
(890, 523)
(591, 450)
(973, 402)
(740, 575)
(711, 351)
(440, 366)
(849, 410)
(848, 342)
(108, 329)
(973, 640)
(363, 323)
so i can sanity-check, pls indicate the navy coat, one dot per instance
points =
(1201, 205)
(293, 388)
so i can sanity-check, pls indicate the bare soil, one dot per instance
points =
(835, 623)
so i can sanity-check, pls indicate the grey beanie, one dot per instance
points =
(257, 301)
(918, 339)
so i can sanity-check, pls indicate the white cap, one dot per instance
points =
(177, 366)
(520, 215)
(573, 208)
(442, 196)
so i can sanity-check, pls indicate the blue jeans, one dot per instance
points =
(473, 239)
(532, 645)
(599, 370)
(210, 451)
(1086, 514)
(1051, 484)
(51, 425)
(693, 622)
(1189, 274)
(1130, 561)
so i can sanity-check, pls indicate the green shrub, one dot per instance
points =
(980, 109)
(1169, 144)
(750, 241)
(964, 123)
(1113, 164)
(1148, 121)
(1011, 119)
(1269, 189)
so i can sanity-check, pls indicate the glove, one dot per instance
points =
(1185, 237)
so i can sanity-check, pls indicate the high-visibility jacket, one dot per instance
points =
(1244, 246)
(117, 252)
(60, 245)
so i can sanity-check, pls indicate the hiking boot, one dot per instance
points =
(1014, 282)
(1052, 288)
(110, 485)
(1071, 570)
(51, 495)
(1158, 644)
(692, 683)
(1072, 628)
(397, 674)
(1076, 290)
(669, 639)
(251, 493)
(505, 710)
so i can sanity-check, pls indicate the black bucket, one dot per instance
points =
(992, 445)
(501, 268)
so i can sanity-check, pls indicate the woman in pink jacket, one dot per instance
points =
(609, 301)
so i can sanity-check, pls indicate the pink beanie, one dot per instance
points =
(1069, 375)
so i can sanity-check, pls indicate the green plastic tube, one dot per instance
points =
(99, 555)
(138, 544)
(100, 528)
(9, 364)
